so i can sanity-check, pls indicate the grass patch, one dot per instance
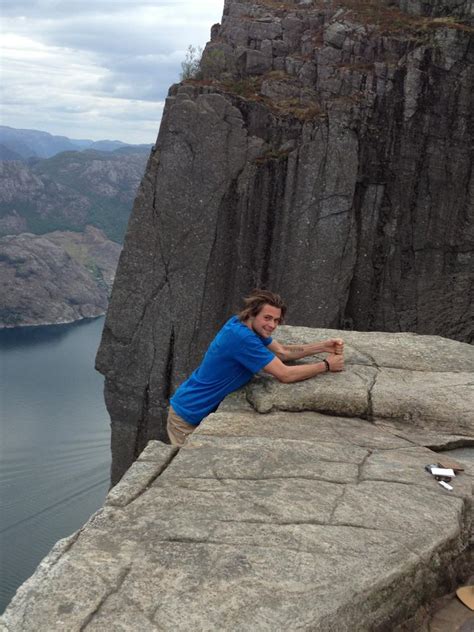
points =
(380, 14)
(356, 67)
(285, 6)
(392, 20)
(248, 87)
(303, 111)
(78, 252)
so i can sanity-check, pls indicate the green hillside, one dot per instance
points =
(70, 191)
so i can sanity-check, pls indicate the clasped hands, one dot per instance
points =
(335, 347)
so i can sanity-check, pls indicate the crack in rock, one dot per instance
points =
(370, 405)
(386, 480)
(113, 589)
(337, 502)
(362, 464)
(366, 355)
(166, 463)
(218, 543)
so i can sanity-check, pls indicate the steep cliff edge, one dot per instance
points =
(324, 151)
(290, 520)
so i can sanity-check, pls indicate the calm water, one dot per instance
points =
(54, 444)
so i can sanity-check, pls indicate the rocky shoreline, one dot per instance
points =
(52, 324)
(60, 277)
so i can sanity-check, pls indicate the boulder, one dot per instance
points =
(424, 381)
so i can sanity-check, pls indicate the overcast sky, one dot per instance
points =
(96, 68)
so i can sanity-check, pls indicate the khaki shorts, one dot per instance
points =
(178, 429)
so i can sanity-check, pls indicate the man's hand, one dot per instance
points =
(336, 362)
(288, 353)
(334, 345)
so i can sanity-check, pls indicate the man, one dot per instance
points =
(243, 347)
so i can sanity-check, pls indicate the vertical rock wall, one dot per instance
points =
(325, 152)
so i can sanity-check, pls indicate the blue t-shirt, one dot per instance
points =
(233, 357)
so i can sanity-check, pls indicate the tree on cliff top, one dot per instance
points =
(191, 64)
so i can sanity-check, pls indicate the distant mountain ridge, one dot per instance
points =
(8, 154)
(71, 190)
(21, 144)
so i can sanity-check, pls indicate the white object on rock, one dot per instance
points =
(445, 485)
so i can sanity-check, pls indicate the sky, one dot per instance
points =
(97, 69)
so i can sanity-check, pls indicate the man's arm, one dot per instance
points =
(286, 353)
(300, 372)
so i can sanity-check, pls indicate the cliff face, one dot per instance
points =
(324, 152)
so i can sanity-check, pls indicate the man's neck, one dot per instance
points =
(248, 323)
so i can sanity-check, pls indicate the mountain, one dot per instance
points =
(62, 219)
(70, 191)
(28, 143)
(55, 278)
(8, 154)
(111, 145)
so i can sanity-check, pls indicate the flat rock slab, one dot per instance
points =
(314, 427)
(434, 439)
(348, 396)
(391, 350)
(268, 522)
(435, 400)
(426, 382)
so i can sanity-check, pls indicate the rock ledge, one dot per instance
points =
(288, 520)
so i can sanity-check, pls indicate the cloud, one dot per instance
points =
(103, 66)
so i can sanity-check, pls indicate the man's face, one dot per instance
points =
(266, 321)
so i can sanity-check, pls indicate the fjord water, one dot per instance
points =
(54, 443)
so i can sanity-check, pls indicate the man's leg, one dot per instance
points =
(178, 429)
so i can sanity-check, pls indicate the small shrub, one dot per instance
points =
(191, 65)
(213, 64)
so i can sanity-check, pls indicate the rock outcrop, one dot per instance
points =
(289, 520)
(324, 151)
(55, 278)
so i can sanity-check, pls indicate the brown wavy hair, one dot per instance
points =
(256, 300)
